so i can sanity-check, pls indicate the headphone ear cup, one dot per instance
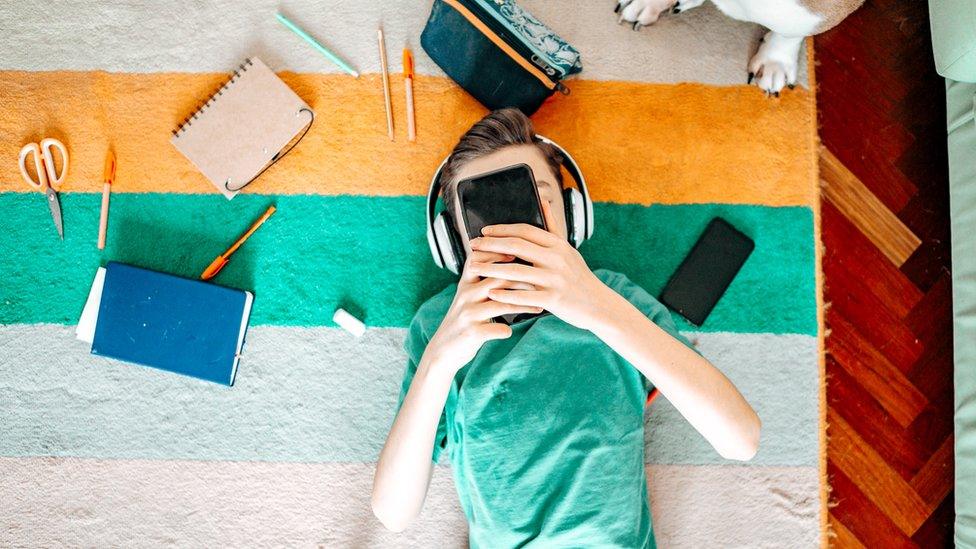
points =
(457, 254)
(575, 220)
(447, 243)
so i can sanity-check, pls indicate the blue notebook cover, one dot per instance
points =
(184, 326)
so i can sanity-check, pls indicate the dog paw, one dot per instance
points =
(641, 13)
(775, 64)
(685, 5)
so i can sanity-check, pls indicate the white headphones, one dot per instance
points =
(445, 244)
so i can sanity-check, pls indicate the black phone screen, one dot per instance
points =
(504, 196)
(706, 272)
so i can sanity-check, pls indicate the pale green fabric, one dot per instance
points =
(545, 431)
(960, 97)
(954, 38)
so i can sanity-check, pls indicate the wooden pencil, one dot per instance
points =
(386, 84)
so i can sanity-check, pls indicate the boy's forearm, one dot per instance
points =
(404, 466)
(702, 393)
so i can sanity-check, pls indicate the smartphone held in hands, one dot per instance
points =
(504, 196)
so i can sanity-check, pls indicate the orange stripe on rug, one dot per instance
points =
(637, 143)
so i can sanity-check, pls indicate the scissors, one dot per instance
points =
(47, 175)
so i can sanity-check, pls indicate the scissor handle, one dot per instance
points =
(54, 178)
(31, 149)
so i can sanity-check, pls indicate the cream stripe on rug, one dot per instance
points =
(103, 503)
(702, 45)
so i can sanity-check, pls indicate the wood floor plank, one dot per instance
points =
(932, 373)
(931, 317)
(845, 191)
(937, 532)
(850, 507)
(933, 425)
(889, 386)
(851, 296)
(845, 244)
(879, 483)
(863, 412)
(842, 537)
(934, 481)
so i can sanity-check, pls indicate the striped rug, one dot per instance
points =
(99, 453)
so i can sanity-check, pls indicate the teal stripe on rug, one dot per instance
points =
(369, 254)
(321, 395)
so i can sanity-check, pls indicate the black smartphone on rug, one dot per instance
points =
(504, 196)
(706, 272)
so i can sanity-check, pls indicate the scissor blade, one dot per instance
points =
(55, 205)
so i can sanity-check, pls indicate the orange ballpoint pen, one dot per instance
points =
(217, 264)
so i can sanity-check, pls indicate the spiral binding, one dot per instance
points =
(188, 121)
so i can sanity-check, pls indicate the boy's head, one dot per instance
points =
(504, 138)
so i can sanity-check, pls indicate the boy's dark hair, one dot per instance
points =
(497, 130)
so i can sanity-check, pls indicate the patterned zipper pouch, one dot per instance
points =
(498, 52)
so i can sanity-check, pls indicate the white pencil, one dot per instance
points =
(386, 83)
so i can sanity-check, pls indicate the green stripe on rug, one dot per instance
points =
(369, 254)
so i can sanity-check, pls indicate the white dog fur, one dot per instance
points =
(788, 21)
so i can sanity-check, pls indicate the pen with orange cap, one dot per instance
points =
(408, 86)
(108, 179)
(217, 264)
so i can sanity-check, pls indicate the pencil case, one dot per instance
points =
(498, 52)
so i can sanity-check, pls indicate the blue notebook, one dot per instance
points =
(184, 326)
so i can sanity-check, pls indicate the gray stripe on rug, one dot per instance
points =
(320, 395)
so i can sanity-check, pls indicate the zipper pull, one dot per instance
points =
(543, 65)
(562, 88)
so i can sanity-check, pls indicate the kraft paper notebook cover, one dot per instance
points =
(160, 320)
(243, 128)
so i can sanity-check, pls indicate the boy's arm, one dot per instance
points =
(404, 467)
(696, 388)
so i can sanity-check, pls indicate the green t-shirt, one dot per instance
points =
(545, 431)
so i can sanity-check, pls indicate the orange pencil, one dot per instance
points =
(408, 87)
(108, 179)
(223, 258)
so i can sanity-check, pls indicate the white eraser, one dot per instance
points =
(349, 323)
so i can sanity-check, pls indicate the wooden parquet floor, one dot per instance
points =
(885, 229)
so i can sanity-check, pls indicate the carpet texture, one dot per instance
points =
(95, 452)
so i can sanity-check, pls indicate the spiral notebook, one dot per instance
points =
(251, 122)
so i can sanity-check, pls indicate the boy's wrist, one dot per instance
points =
(611, 309)
(435, 365)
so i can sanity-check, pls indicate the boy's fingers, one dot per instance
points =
(493, 330)
(515, 272)
(491, 309)
(489, 283)
(517, 246)
(481, 256)
(524, 231)
(532, 298)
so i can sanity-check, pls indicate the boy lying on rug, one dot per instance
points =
(545, 417)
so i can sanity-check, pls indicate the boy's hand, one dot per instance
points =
(467, 324)
(564, 285)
